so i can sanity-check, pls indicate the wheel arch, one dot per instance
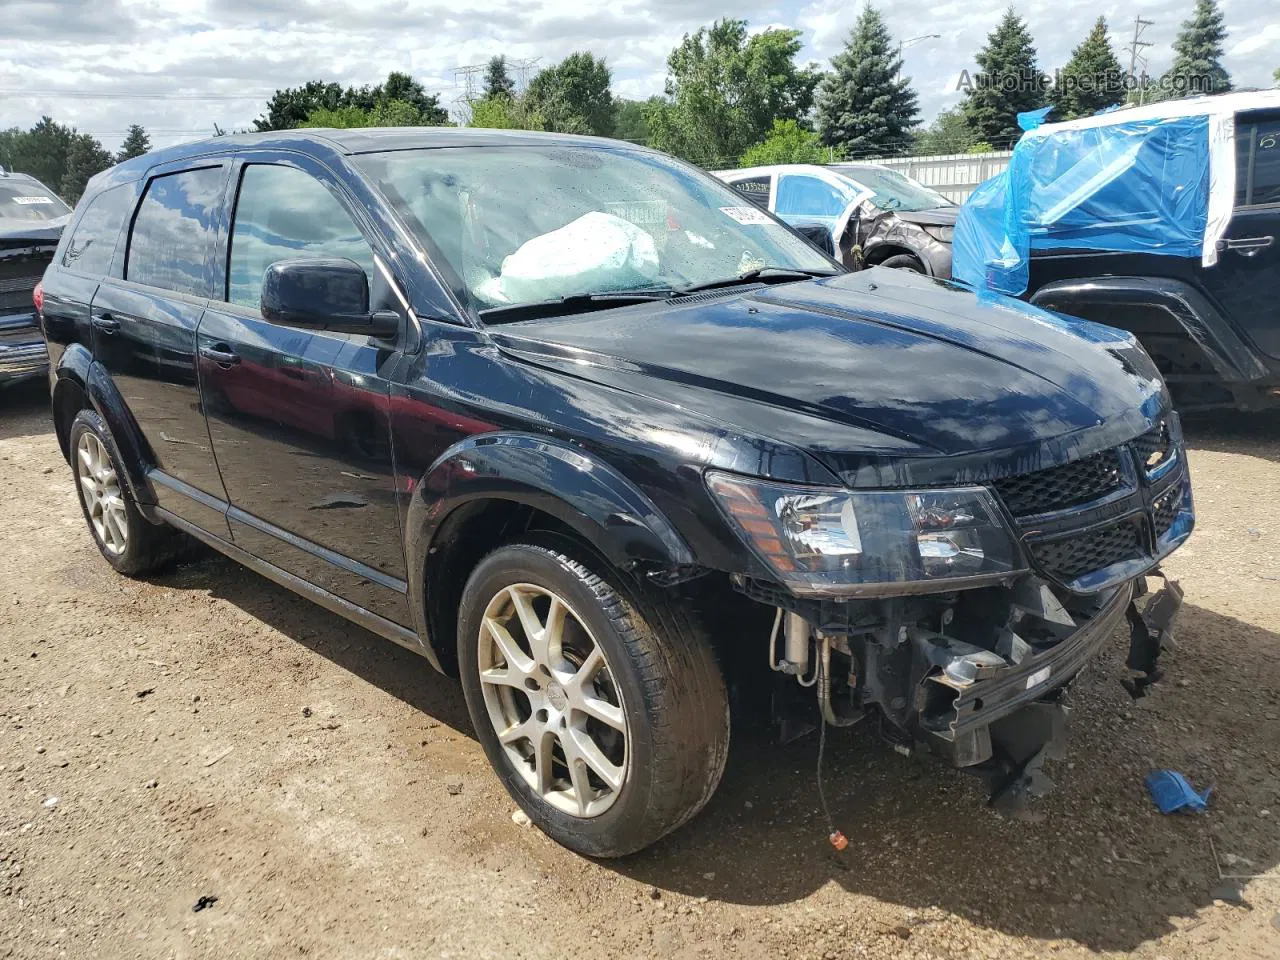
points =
(487, 490)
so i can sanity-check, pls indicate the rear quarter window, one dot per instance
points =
(171, 245)
(755, 189)
(1257, 159)
(93, 242)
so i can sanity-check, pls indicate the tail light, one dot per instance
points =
(37, 297)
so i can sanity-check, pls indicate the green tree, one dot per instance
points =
(1197, 55)
(949, 133)
(865, 105)
(1008, 82)
(293, 106)
(1276, 76)
(85, 158)
(628, 119)
(389, 113)
(505, 113)
(136, 143)
(788, 142)
(497, 81)
(573, 96)
(1091, 81)
(41, 151)
(725, 89)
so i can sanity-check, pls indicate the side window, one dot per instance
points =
(283, 214)
(1257, 159)
(755, 189)
(172, 240)
(94, 241)
(808, 197)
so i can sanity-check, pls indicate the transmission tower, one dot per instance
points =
(470, 83)
(1136, 57)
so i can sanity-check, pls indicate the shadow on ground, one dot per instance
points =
(1101, 866)
(1251, 434)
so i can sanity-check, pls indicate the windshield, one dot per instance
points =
(526, 224)
(28, 201)
(893, 191)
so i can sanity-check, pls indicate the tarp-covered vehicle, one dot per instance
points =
(1162, 220)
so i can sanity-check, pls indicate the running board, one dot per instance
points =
(330, 601)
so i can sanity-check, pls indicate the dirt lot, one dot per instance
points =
(209, 734)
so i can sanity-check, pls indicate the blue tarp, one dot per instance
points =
(1105, 183)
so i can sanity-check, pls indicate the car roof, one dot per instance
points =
(348, 142)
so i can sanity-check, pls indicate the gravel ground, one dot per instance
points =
(208, 734)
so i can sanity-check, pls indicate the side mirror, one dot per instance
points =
(321, 293)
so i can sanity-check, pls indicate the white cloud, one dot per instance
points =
(179, 66)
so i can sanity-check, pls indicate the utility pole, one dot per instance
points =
(1135, 57)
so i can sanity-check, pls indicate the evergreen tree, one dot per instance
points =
(136, 143)
(497, 82)
(1008, 83)
(85, 158)
(1091, 81)
(865, 106)
(1197, 55)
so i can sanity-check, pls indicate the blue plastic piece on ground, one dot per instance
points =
(1171, 792)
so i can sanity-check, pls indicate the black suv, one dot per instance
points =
(31, 221)
(568, 418)
(1214, 332)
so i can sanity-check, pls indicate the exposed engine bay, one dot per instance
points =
(978, 677)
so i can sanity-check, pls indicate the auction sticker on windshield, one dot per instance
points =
(30, 200)
(746, 215)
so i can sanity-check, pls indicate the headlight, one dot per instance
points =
(940, 233)
(820, 540)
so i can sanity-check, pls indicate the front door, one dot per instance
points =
(1247, 275)
(144, 334)
(299, 418)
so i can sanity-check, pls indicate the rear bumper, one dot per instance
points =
(23, 353)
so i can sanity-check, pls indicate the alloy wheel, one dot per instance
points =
(100, 488)
(552, 700)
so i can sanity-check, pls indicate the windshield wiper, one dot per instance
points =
(759, 275)
(574, 303)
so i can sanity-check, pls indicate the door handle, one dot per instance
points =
(221, 354)
(1246, 246)
(105, 322)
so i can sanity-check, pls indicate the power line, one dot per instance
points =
(103, 95)
(1135, 56)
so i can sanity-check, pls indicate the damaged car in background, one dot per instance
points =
(609, 447)
(864, 214)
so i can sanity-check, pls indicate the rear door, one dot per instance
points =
(299, 418)
(1247, 275)
(144, 332)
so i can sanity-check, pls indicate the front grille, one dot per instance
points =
(1154, 447)
(1165, 509)
(1070, 557)
(1074, 483)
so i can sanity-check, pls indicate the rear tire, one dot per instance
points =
(904, 261)
(126, 539)
(614, 666)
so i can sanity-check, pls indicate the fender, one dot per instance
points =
(552, 476)
(1107, 299)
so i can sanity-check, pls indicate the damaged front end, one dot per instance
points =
(960, 615)
(977, 677)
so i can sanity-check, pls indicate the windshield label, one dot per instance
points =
(29, 200)
(747, 215)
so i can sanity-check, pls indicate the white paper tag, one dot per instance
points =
(1039, 677)
(747, 215)
(27, 201)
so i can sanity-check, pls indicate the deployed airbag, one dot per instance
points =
(595, 252)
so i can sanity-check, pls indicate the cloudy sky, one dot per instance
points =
(179, 66)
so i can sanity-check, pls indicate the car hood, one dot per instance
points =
(926, 369)
(937, 217)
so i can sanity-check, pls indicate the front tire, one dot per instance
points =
(603, 712)
(132, 545)
(904, 261)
